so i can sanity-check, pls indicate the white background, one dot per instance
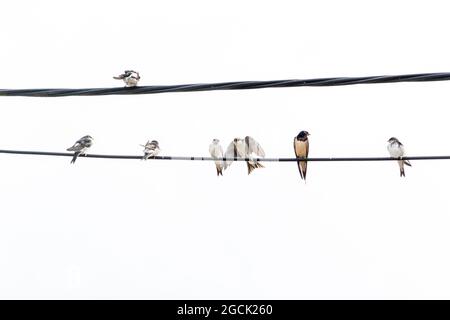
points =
(170, 229)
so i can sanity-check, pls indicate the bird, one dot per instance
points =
(235, 149)
(396, 150)
(244, 148)
(130, 77)
(216, 151)
(301, 148)
(151, 149)
(81, 146)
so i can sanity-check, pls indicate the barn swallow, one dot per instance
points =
(216, 151)
(130, 77)
(245, 148)
(81, 146)
(301, 148)
(151, 149)
(396, 150)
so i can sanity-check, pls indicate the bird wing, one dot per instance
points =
(75, 147)
(402, 150)
(81, 144)
(307, 148)
(254, 147)
(240, 148)
(229, 154)
(131, 73)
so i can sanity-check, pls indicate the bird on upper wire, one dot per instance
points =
(130, 77)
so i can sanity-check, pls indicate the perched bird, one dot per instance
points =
(81, 146)
(244, 148)
(301, 148)
(216, 151)
(236, 149)
(130, 77)
(151, 149)
(396, 150)
(253, 147)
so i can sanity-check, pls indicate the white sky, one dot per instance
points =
(166, 229)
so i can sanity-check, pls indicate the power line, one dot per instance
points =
(240, 85)
(130, 157)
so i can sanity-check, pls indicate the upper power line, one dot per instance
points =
(239, 85)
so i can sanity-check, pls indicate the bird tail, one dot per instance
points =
(219, 169)
(302, 166)
(402, 168)
(407, 163)
(253, 165)
(75, 156)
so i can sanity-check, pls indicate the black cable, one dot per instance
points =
(328, 159)
(322, 82)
